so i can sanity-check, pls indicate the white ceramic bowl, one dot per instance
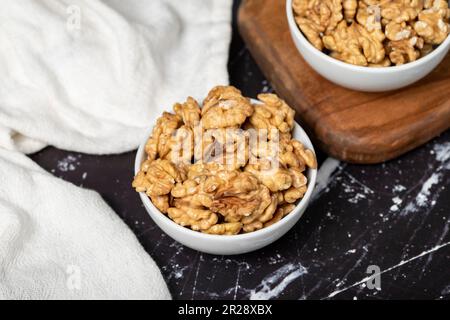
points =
(363, 78)
(233, 244)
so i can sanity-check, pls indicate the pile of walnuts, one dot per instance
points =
(374, 33)
(219, 182)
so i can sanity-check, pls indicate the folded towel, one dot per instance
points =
(90, 76)
(58, 241)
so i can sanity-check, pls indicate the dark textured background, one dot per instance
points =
(352, 225)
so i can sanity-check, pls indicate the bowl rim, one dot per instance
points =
(303, 203)
(354, 68)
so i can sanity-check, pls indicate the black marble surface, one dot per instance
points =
(394, 215)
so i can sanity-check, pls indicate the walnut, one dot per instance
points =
(391, 10)
(159, 143)
(295, 170)
(181, 146)
(201, 183)
(276, 179)
(225, 107)
(400, 10)
(311, 31)
(185, 188)
(237, 196)
(161, 202)
(404, 51)
(189, 112)
(191, 206)
(355, 44)
(288, 158)
(293, 157)
(305, 154)
(316, 17)
(256, 220)
(210, 175)
(197, 219)
(198, 200)
(432, 24)
(171, 139)
(441, 6)
(385, 63)
(157, 177)
(227, 146)
(293, 194)
(241, 196)
(369, 16)
(350, 7)
(281, 212)
(265, 146)
(398, 31)
(371, 43)
(228, 228)
(298, 178)
(273, 113)
(298, 189)
(280, 175)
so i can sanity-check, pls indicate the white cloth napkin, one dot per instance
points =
(90, 76)
(97, 88)
(58, 241)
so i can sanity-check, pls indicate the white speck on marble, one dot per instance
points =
(394, 208)
(275, 259)
(194, 287)
(356, 190)
(398, 188)
(442, 152)
(426, 198)
(178, 271)
(397, 201)
(422, 198)
(274, 284)
(68, 163)
(356, 198)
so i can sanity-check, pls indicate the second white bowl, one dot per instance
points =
(363, 78)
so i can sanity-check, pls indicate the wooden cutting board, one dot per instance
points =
(352, 126)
